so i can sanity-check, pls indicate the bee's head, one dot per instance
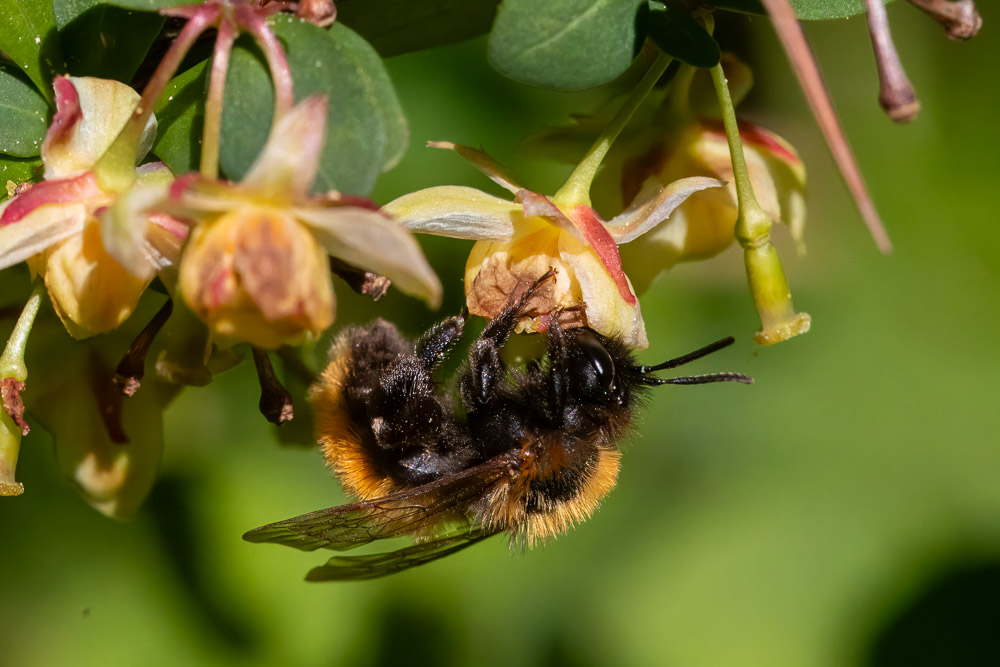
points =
(593, 369)
(602, 369)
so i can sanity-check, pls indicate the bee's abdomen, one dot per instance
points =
(558, 481)
(357, 358)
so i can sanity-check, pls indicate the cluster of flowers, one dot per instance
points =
(250, 262)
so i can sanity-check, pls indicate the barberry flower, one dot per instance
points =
(56, 224)
(518, 241)
(704, 224)
(256, 267)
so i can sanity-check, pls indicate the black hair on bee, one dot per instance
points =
(529, 452)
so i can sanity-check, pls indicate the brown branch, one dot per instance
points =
(960, 20)
(895, 92)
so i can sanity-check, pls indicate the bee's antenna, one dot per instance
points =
(693, 379)
(699, 379)
(689, 357)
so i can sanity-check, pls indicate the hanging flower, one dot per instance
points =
(518, 241)
(56, 224)
(256, 267)
(703, 225)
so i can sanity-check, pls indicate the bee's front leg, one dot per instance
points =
(485, 366)
(434, 346)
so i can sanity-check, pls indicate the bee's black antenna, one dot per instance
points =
(699, 379)
(694, 379)
(690, 356)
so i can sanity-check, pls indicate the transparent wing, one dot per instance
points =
(371, 566)
(431, 513)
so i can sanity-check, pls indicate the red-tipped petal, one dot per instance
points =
(62, 191)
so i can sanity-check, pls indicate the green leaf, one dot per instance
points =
(680, 36)
(816, 10)
(151, 5)
(564, 44)
(808, 10)
(104, 41)
(28, 36)
(366, 130)
(17, 170)
(25, 114)
(180, 115)
(401, 26)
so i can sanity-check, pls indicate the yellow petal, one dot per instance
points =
(91, 292)
(455, 211)
(104, 106)
(607, 312)
(370, 240)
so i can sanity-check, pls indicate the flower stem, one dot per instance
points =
(115, 170)
(10, 448)
(12, 368)
(209, 167)
(680, 91)
(12, 360)
(576, 189)
(281, 73)
(768, 284)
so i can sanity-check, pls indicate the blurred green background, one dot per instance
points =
(845, 510)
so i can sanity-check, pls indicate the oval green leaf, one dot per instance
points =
(366, 129)
(564, 44)
(151, 5)
(29, 37)
(18, 170)
(401, 26)
(101, 40)
(680, 36)
(25, 114)
(807, 10)
(180, 115)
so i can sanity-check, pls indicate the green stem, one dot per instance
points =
(12, 360)
(766, 277)
(115, 170)
(576, 189)
(753, 225)
(680, 91)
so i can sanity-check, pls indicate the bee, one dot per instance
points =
(528, 451)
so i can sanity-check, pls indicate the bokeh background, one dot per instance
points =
(845, 510)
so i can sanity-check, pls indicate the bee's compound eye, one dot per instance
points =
(596, 370)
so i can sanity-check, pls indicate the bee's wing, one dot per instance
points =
(437, 510)
(371, 566)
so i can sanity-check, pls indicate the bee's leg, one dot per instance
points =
(433, 347)
(558, 355)
(485, 366)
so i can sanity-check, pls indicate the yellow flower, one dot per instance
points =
(703, 225)
(518, 241)
(256, 268)
(56, 224)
